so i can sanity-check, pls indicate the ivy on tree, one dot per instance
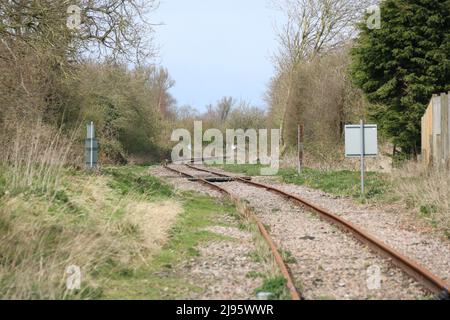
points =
(402, 64)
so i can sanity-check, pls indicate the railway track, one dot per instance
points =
(294, 293)
(430, 282)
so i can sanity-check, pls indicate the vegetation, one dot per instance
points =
(62, 73)
(160, 279)
(411, 184)
(311, 85)
(276, 286)
(80, 222)
(131, 109)
(400, 66)
(56, 74)
(109, 225)
(133, 179)
(339, 183)
(425, 192)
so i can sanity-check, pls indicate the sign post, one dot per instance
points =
(301, 134)
(361, 141)
(91, 147)
(363, 148)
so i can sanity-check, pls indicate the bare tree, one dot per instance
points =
(217, 115)
(312, 27)
(224, 107)
(116, 28)
(246, 116)
(40, 46)
(160, 83)
(316, 25)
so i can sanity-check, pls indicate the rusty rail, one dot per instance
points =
(422, 275)
(295, 295)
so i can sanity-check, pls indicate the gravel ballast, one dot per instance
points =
(223, 268)
(395, 227)
(328, 263)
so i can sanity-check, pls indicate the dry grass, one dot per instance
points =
(102, 235)
(34, 155)
(427, 191)
(40, 238)
(262, 249)
(51, 219)
(154, 220)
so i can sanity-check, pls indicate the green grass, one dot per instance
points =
(338, 183)
(255, 275)
(276, 286)
(162, 278)
(136, 179)
(120, 268)
(199, 213)
(255, 256)
(288, 257)
(248, 169)
(427, 210)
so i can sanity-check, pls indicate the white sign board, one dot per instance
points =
(353, 141)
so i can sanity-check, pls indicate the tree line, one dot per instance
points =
(334, 67)
(331, 69)
(63, 65)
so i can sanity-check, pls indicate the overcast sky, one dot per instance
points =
(216, 48)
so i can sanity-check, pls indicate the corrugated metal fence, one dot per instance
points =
(436, 131)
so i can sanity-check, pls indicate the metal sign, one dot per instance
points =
(91, 147)
(353, 140)
(361, 141)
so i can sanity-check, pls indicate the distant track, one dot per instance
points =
(430, 282)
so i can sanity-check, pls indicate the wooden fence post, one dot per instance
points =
(444, 128)
(301, 136)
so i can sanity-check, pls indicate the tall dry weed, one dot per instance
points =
(427, 190)
(42, 231)
(34, 155)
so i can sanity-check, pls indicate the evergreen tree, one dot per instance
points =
(402, 64)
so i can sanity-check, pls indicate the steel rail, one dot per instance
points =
(295, 294)
(422, 275)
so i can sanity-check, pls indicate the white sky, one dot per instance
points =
(216, 48)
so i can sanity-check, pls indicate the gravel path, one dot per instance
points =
(389, 223)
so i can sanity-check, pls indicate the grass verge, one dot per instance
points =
(423, 191)
(161, 278)
(338, 183)
(109, 224)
